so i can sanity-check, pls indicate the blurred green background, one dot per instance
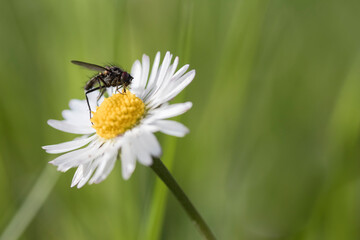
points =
(274, 147)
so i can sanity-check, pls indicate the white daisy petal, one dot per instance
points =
(144, 158)
(145, 71)
(107, 169)
(167, 83)
(172, 128)
(150, 143)
(100, 171)
(141, 151)
(128, 161)
(150, 128)
(180, 72)
(68, 146)
(77, 176)
(163, 69)
(173, 68)
(136, 73)
(169, 111)
(70, 128)
(93, 100)
(142, 155)
(106, 163)
(78, 105)
(73, 157)
(184, 81)
(154, 71)
(87, 172)
(174, 81)
(76, 117)
(161, 76)
(78, 157)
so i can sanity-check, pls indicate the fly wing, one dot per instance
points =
(89, 66)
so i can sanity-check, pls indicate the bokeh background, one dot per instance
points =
(274, 147)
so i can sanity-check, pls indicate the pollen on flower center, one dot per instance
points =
(117, 114)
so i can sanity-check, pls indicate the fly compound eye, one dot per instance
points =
(124, 75)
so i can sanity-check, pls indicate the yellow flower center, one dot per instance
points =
(117, 114)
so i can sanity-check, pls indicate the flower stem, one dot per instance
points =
(164, 174)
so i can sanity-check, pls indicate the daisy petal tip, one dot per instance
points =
(151, 162)
(146, 161)
(62, 169)
(80, 185)
(136, 67)
(145, 58)
(97, 181)
(192, 74)
(127, 172)
(188, 105)
(158, 154)
(48, 150)
(52, 162)
(51, 122)
(126, 176)
(76, 180)
(186, 131)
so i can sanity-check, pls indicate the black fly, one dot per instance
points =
(108, 76)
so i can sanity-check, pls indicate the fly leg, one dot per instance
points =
(124, 89)
(118, 82)
(87, 99)
(102, 88)
(117, 89)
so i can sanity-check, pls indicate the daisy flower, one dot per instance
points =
(123, 124)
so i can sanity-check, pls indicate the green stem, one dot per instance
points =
(164, 174)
